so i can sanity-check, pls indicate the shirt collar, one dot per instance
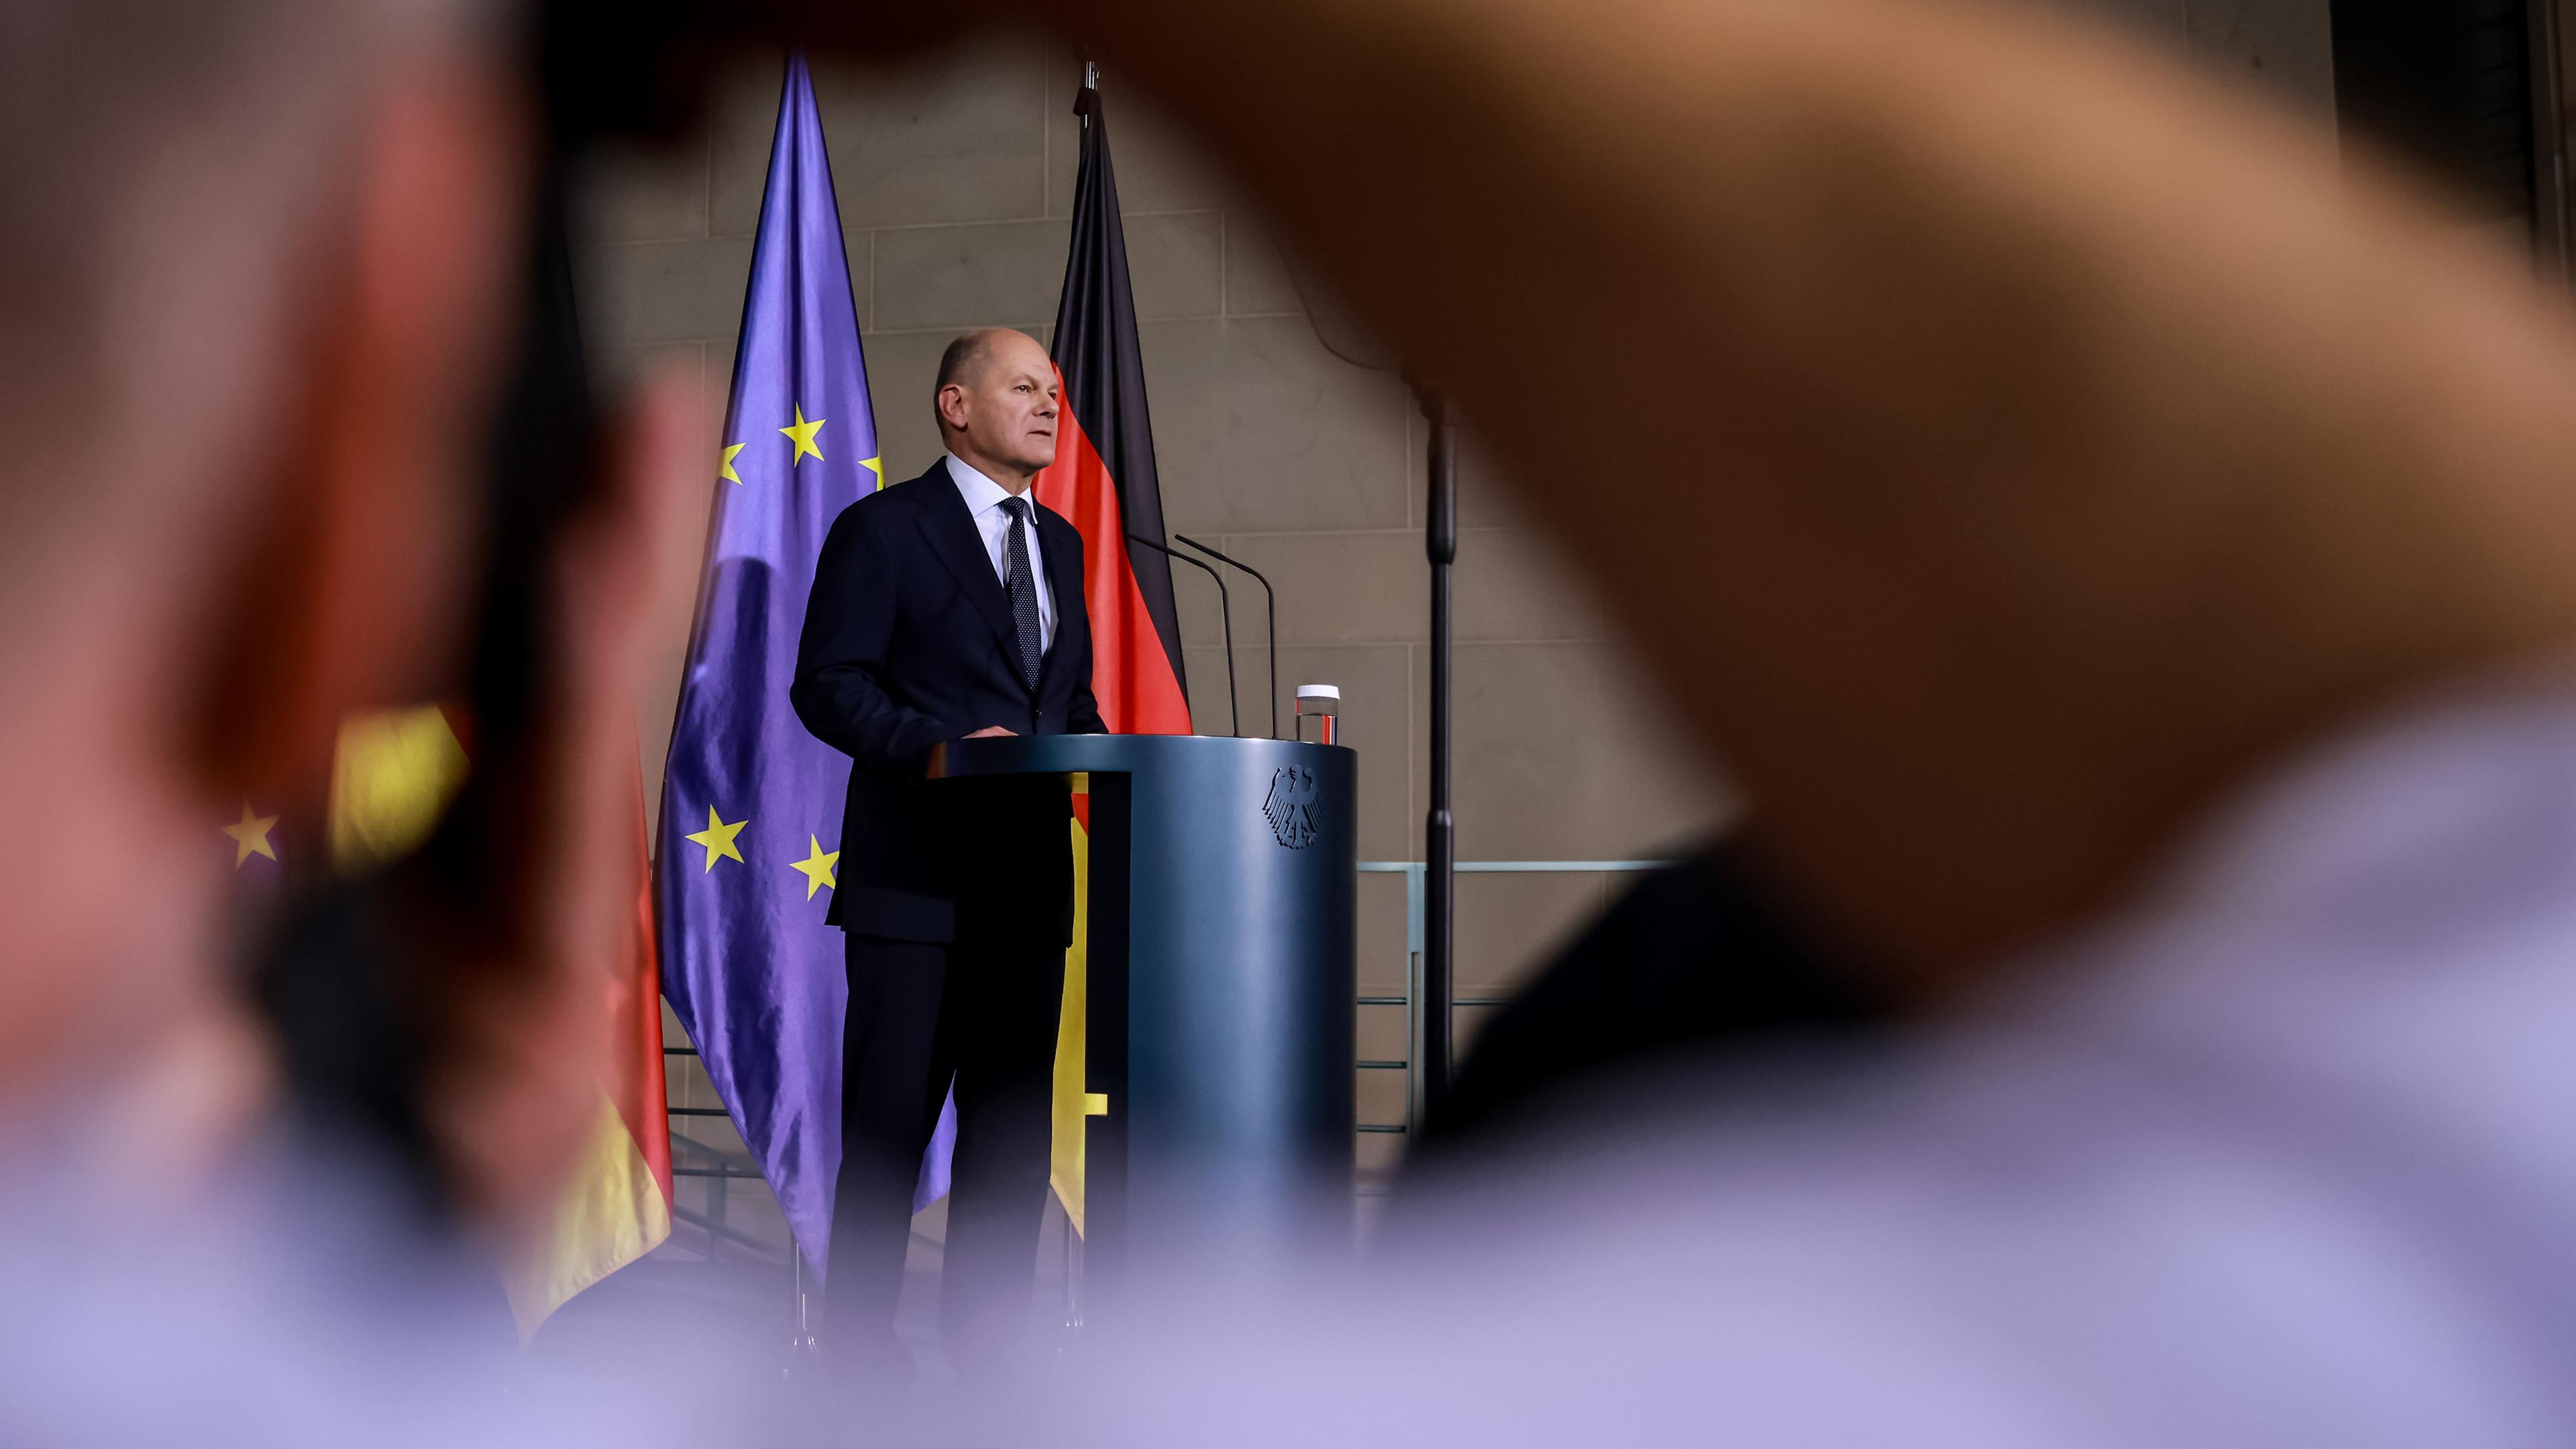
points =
(981, 493)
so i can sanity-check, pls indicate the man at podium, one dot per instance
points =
(949, 607)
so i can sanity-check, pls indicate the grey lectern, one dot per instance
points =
(1222, 965)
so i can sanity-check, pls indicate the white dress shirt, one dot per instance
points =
(984, 501)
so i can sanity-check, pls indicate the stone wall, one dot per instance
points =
(955, 177)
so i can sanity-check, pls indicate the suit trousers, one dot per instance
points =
(982, 1013)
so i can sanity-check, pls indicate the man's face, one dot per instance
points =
(1009, 402)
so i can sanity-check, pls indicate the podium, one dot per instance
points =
(1222, 959)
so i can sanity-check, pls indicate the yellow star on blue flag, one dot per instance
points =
(817, 867)
(718, 838)
(802, 435)
(250, 835)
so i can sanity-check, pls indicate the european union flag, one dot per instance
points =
(749, 798)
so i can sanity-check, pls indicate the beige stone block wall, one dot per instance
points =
(2281, 48)
(955, 179)
(955, 182)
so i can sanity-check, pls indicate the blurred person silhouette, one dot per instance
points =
(1698, 959)
(2123, 557)
(298, 433)
(2123, 554)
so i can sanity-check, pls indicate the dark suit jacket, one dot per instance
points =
(908, 642)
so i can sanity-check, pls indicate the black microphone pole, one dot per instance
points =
(1273, 616)
(1225, 611)
(1439, 827)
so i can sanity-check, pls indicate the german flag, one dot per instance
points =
(1103, 474)
(393, 776)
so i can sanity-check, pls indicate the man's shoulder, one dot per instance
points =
(893, 500)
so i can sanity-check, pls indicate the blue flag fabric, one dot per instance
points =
(751, 803)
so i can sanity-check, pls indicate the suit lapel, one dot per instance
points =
(951, 531)
(1061, 545)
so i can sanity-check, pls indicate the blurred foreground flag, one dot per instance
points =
(616, 1203)
(393, 776)
(749, 799)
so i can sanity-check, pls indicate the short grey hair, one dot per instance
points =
(963, 356)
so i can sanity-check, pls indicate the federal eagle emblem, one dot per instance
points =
(1291, 807)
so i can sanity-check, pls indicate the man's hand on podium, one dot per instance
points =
(938, 767)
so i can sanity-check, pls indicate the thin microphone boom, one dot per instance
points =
(1273, 617)
(1225, 611)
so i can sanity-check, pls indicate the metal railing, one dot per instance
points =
(721, 1169)
(1414, 907)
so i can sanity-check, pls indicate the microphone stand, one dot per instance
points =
(1273, 616)
(1439, 826)
(1225, 611)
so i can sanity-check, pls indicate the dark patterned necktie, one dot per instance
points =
(1022, 588)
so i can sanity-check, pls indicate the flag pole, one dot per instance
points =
(804, 1350)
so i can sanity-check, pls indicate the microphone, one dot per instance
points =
(1273, 616)
(1225, 611)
